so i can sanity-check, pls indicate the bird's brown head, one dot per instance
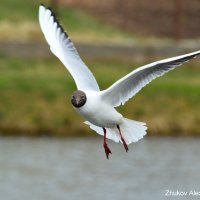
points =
(78, 98)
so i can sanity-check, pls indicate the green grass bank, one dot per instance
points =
(35, 98)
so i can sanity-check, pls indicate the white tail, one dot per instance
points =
(132, 131)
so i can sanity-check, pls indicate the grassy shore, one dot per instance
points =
(35, 98)
(19, 22)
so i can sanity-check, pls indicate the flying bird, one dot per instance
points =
(98, 107)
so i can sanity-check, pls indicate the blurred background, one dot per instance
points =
(46, 152)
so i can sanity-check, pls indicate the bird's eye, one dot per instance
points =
(82, 97)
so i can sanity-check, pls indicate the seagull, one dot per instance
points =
(98, 106)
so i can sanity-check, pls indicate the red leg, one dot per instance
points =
(123, 141)
(107, 150)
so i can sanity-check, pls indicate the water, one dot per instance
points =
(50, 169)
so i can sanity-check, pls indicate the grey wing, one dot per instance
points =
(129, 85)
(62, 47)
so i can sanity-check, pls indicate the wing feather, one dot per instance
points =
(125, 88)
(62, 47)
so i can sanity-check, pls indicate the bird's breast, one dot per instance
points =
(99, 113)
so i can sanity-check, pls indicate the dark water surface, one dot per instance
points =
(51, 169)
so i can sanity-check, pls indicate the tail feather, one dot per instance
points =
(132, 131)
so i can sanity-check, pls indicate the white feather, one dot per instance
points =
(61, 45)
(125, 88)
(132, 131)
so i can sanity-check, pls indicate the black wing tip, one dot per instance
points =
(50, 9)
(197, 54)
(53, 14)
(55, 19)
(193, 56)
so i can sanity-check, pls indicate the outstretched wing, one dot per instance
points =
(62, 47)
(132, 83)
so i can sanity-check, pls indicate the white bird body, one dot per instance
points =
(98, 107)
(98, 112)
